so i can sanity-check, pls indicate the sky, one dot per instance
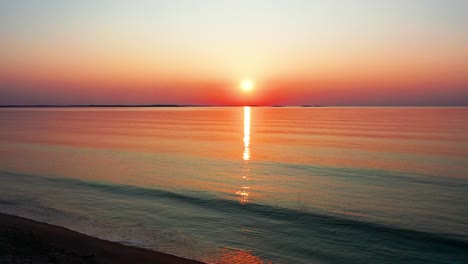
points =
(296, 52)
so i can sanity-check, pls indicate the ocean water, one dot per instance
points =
(247, 184)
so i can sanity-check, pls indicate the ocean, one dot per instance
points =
(247, 184)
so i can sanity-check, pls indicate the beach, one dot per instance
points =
(27, 241)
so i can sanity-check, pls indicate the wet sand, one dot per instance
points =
(27, 241)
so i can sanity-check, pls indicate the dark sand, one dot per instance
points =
(27, 241)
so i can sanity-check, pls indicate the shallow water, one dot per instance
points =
(247, 185)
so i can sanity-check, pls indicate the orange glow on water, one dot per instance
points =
(246, 154)
(244, 193)
(240, 256)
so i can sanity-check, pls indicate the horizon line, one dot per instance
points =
(202, 105)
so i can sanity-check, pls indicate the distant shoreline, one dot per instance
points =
(176, 105)
(156, 105)
(168, 105)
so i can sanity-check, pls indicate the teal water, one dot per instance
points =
(238, 185)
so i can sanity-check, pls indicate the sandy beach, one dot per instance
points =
(26, 241)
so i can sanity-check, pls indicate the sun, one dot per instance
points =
(246, 85)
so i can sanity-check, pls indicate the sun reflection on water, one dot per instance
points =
(245, 190)
(246, 133)
(241, 256)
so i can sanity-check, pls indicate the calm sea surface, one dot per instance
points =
(247, 185)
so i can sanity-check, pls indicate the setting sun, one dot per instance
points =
(247, 85)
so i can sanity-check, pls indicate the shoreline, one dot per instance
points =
(24, 240)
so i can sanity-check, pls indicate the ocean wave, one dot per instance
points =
(234, 207)
(323, 237)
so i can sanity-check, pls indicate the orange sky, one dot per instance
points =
(175, 52)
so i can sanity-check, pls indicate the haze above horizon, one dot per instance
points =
(179, 52)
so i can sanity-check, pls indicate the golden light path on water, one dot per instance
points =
(246, 155)
(245, 191)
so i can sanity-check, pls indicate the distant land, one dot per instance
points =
(99, 105)
(188, 105)
(135, 105)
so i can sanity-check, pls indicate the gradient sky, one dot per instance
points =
(196, 52)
